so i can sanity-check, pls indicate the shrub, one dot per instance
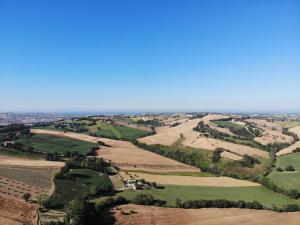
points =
(279, 169)
(290, 168)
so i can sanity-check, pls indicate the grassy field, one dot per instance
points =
(287, 180)
(78, 183)
(116, 132)
(50, 143)
(38, 177)
(228, 124)
(172, 192)
(20, 154)
(288, 124)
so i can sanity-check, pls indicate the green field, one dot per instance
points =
(77, 183)
(102, 129)
(35, 176)
(50, 143)
(287, 180)
(228, 124)
(172, 192)
(20, 154)
(288, 124)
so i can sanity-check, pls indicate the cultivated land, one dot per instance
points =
(287, 180)
(171, 216)
(172, 192)
(34, 176)
(14, 212)
(78, 183)
(11, 161)
(126, 155)
(49, 143)
(189, 180)
(291, 148)
(174, 180)
(169, 135)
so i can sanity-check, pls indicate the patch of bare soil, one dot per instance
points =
(189, 180)
(150, 215)
(15, 212)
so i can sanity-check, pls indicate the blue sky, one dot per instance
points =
(150, 55)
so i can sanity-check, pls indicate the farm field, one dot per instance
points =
(48, 143)
(128, 156)
(34, 176)
(15, 212)
(171, 192)
(20, 154)
(189, 180)
(169, 135)
(102, 129)
(77, 183)
(12, 161)
(287, 180)
(173, 216)
(288, 124)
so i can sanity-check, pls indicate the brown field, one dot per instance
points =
(16, 189)
(149, 215)
(265, 124)
(169, 135)
(289, 149)
(295, 130)
(229, 155)
(127, 156)
(14, 212)
(5, 160)
(117, 182)
(189, 180)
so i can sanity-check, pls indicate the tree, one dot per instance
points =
(290, 168)
(216, 155)
(279, 169)
(26, 196)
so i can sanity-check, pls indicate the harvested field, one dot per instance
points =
(14, 212)
(265, 124)
(127, 156)
(289, 149)
(169, 135)
(16, 189)
(273, 136)
(34, 176)
(212, 144)
(229, 155)
(174, 216)
(11, 161)
(189, 180)
(295, 130)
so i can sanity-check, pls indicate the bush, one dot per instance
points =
(279, 169)
(290, 168)
(147, 199)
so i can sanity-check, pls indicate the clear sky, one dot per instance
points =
(150, 55)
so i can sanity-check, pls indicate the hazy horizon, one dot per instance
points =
(150, 56)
